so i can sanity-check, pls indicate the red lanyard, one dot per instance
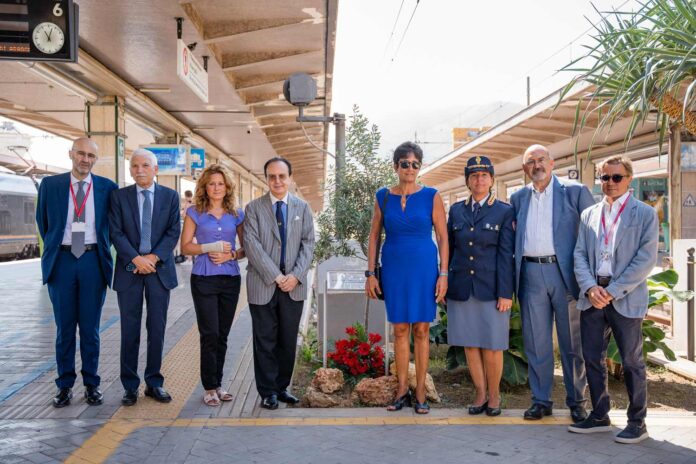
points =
(78, 212)
(607, 235)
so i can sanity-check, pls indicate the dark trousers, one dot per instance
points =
(215, 300)
(77, 290)
(275, 326)
(130, 304)
(597, 325)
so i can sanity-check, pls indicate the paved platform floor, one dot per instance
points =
(186, 431)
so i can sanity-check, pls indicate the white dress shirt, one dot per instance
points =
(538, 234)
(606, 252)
(481, 203)
(284, 208)
(141, 201)
(90, 227)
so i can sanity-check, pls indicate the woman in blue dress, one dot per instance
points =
(412, 284)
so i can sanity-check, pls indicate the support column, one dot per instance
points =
(106, 125)
(588, 173)
(501, 190)
(675, 178)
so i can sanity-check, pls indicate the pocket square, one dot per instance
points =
(297, 218)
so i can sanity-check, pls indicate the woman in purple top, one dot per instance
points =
(215, 222)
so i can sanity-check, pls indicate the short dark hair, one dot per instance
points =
(188, 194)
(274, 160)
(404, 149)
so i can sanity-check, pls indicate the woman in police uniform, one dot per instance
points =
(481, 274)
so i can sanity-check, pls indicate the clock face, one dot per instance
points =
(48, 38)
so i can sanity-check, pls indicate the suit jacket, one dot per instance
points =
(262, 246)
(569, 201)
(51, 216)
(124, 219)
(635, 255)
(481, 262)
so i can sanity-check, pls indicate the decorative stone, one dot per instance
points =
(377, 392)
(328, 380)
(314, 398)
(431, 393)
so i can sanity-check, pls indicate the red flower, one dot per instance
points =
(375, 338)
(351, 331)
(364, 349)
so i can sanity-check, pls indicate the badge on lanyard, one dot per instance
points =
(78, 227)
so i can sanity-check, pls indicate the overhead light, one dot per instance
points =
(62, 80)
(203, 128)
(155, 89)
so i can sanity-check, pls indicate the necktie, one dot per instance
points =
(477, 208)
(77, 242)
(281, 228)
(146, 227)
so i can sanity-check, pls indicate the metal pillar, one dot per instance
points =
(690, 305)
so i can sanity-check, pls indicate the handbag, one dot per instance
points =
(378, 249)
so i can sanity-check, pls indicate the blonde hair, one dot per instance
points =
(617, 159)
(200, 198)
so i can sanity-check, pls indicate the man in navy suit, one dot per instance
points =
(547, 215)
(145, 226)
(76, 264)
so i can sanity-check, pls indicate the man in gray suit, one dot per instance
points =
(279, 243)
(547, 213)
(615, 253)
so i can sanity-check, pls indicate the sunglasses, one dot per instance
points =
(616, 178)
(409, 164)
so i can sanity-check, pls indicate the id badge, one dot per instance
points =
(78, 227)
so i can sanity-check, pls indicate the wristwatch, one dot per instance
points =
(369, 273)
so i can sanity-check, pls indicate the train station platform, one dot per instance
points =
(186, 431)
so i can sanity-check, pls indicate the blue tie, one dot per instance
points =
(477, 207)
(281, 228)
(146, 229)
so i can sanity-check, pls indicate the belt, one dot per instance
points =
(540, 259)
(603, 281)
(89, 247)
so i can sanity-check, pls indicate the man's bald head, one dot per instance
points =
(83, 155)
(538, 165)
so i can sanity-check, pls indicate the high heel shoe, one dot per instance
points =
(476, 410)
(399, 403)
(421, 408)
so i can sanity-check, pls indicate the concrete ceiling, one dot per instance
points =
(127, 46)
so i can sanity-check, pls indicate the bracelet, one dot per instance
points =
(443, 274)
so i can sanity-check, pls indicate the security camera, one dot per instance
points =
(248, 130)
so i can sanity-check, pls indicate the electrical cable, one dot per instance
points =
(405, 31)
(313, 144)
(398, 14)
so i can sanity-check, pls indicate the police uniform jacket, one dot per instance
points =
(481, 260)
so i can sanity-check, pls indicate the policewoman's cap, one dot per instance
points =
(477, 164)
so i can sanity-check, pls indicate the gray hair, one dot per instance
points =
(144, 153)
(534, 148)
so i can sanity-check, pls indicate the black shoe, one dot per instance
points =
(578, 414)
(591, 425)
(62, 399)
(421, 408)
(158, 394)
(270, 402)
(94, 395)
(399, 403)
(632, 434)
(493, 411)
(130, 397)
(537, 411)
(287, 397)
(476, 410)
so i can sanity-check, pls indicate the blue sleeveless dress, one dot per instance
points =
(409, 257)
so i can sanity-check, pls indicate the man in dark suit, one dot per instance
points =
(145, 226)
(547, 214)
(279, 243)
(76, 264)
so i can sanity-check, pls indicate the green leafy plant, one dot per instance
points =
(640, 62)
(344, 224)
(660, 290)
(514, 360)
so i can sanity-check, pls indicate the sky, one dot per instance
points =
(460, 63)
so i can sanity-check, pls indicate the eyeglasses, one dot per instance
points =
(616, 178)
(84, 154)
(532, 162)
(409, 164)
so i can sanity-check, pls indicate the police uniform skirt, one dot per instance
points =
(477, 324)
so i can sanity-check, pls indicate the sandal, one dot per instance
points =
(421, 408)
(211, 399)
(223, 395)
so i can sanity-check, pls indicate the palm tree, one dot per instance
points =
(642, 62)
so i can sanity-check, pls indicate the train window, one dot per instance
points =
(28, 212)
(5, 222)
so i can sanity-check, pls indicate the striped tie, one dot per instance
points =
(146, 228)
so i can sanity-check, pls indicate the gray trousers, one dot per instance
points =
(543, 298)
